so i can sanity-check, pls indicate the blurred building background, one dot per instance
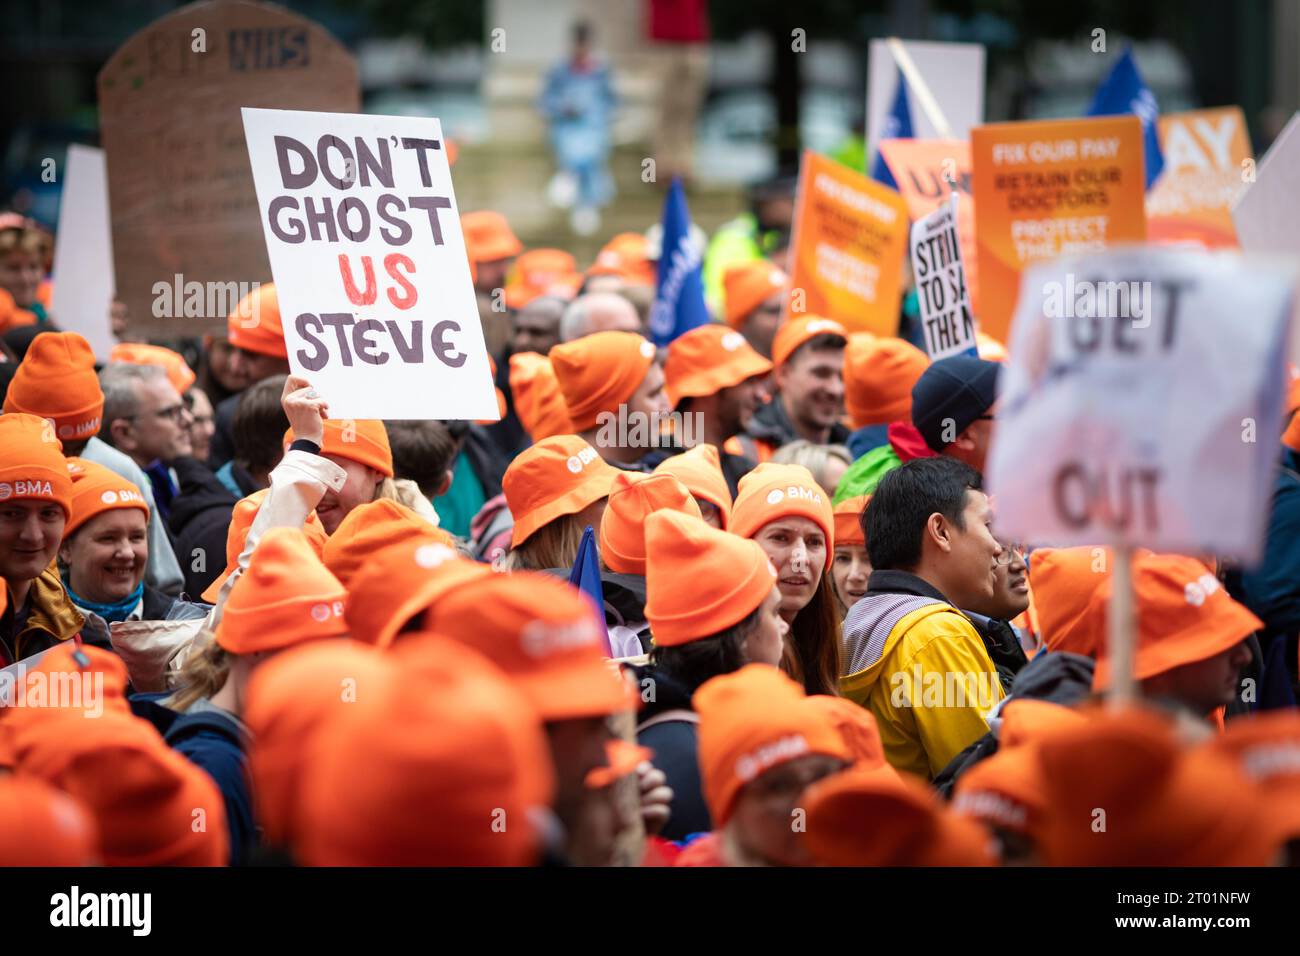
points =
(479, 67)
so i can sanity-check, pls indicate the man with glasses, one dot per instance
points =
(992, 614)
(146, 419)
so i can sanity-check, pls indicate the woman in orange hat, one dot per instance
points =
(554, 490)
(712, 603)
(850, 567)
(784, 509)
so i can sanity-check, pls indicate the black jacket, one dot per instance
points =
(199, 521)
(676, 746)
(222, 447)
(771, 424)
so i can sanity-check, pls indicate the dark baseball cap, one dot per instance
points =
(959, 390)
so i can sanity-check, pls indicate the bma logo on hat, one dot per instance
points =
(6, 490)
(732, 341)
(751, 765)
(432, 555)
(109, 497)
(825, 325)
(320, 613)
(583, 458)
(648, 349)
(775, 496)
(543, 638)
(1200, 589)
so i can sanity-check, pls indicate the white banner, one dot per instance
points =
(1142, 402)
(946, 317)
(83, 252)
(369, 262)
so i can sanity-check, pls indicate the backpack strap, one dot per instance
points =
(679, 714)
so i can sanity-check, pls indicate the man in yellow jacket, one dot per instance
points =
(910, 656)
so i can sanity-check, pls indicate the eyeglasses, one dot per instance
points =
(175, 412)
(1009, 550)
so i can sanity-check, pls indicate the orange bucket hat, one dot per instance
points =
(543, 633)
(291, 699)
(699, 580)
(178, 370)
(56, 380)
(879, 373)
(774, 491)
(284, 597)
(538, 272)
(31, 461)
(625, 256)
(747, 285)
(708, 359)
(1164, 806)
(42, 826)
(1063, 581)
(555, 477)
(255, 326)
(469, 754)
(488, 237)
(363, 440)
(1184, 615)
(539, 403)
(599, 372)
(241, 520)
(751, 721)
(796, 332)
(96, 489)
(700, 470)
(848, 521)
(400, 582)
(632, 499)
(876, 817)
(1266, 747)
(370, 528)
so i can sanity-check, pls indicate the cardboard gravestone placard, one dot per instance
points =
(186, 231)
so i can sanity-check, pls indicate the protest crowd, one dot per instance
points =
(726, 592)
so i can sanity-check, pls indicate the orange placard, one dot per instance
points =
(927, 171)
(850, 238)
(1051, 188)
(1192, 200)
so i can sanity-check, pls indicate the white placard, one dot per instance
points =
(83, 252)
(946, 319)
(373, 284)
(1142, 401)
(1267, 212)
(953, 71)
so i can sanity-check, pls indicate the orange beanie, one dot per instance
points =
(706, 360)
(96, 489)
(773, 491)
(370, 528)
(178, 370)
(747, 285)
(876, 817)
(539, 403)
(599, 372)
(41, 826)
(255, 326)
(1164, 806)
(31, 461)
(632, 499)
(291, 697)
(1184, 615)
(399, 582)
(363, 440)
(285, 596)
(751, 721)
(796, 332)
(488, 237)
(555, 477)
(467, 753)
(848, 521)
(879, 373)
(1266, 747)
(699, 580)
(56, 380)
(700, 470)
(626, 256)
(856, 726)
(543, 633)
(241, 520)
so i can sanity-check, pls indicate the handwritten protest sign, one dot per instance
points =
(1051, 188)
(183, 208)
(1137, 409)
(928, 171)
(850, 237)
(946, 317)
(1204, 153)
(83, 252)
(1267, 211)
(369, 263)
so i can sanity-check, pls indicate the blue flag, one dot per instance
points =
(585, 576)
(1123, 91)
(898, 125)
(679, 295)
